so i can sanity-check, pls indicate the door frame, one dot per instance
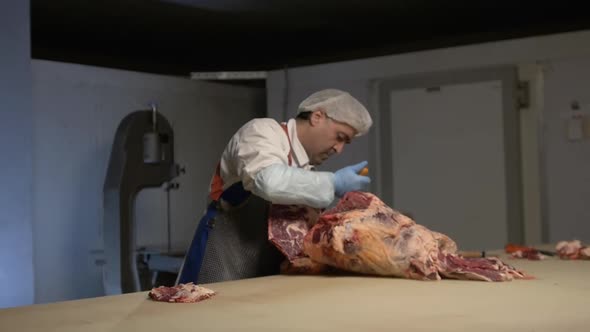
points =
(381, 138)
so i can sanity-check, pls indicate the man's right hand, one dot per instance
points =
(348, 179)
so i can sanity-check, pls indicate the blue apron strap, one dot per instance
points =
(189, 272)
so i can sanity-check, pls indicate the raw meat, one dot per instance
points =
(363, 235)
(572, 250)
(484, 269)
(287, 226)
(182, 293)
(531, 254)
(525, 252)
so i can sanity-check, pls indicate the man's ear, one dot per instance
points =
(316, 117)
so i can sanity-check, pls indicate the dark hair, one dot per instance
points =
(304, 115)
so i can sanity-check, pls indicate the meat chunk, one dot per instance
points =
(526, 252)
(484, 269)
(572, 250)
(531, 254)
(361, 234)
(181, 293)
(287, 225)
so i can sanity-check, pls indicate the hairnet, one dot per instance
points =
(340, 106)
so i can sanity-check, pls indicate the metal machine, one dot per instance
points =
(142, 156)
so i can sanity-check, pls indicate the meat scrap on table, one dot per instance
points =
(568, 250)
(363, 235)
(181, 293)
(572, 250)
(520, 251)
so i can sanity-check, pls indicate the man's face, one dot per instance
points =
(327, 137)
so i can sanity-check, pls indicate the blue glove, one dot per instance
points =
(348, 179)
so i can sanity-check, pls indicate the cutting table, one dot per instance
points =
(558, 300)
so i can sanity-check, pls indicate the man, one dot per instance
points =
(270, 163)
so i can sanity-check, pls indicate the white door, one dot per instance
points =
(448, 161)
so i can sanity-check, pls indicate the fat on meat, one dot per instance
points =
(361, 234)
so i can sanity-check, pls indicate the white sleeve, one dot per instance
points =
(257, 145)
(263, 143)
(281, 184)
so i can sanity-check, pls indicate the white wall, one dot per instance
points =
(77, 110)
(355, 76)
(16, 151)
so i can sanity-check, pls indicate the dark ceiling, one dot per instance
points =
(177, 37)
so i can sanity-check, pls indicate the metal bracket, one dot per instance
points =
(523, 94)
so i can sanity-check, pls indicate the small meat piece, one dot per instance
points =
(182, 293)
(530, 254)
(572, 250)
(484, 269)
(525, 252)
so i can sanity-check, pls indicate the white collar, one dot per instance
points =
(298, 150)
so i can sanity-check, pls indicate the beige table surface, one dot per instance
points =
(558, 300)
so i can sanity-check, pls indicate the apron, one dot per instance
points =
(231, 240)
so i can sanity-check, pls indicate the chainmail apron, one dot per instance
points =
(238, 245)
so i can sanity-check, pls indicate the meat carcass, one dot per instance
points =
(363, 235)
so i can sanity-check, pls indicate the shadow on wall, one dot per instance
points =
(72, 267)
(87, 231)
